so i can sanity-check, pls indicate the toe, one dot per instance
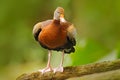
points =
(46, 70)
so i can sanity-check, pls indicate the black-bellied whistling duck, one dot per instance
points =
(55, 34)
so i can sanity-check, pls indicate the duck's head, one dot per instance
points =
(59, 14)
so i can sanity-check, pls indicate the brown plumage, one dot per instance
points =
(56, 34)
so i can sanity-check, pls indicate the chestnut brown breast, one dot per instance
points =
(53, 35)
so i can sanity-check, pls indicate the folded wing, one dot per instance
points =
(71, 33)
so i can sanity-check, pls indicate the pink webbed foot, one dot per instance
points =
(47, 69)
(58, 69)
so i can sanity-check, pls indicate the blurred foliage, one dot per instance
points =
(97, 23)
(88, 51)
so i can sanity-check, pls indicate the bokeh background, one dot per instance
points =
(98, 33)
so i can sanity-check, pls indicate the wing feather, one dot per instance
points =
(36, 30)
(71, 33)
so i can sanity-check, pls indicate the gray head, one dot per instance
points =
(59, 13)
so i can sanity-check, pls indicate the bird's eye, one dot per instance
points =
(58, 12)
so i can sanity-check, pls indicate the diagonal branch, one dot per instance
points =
(76, 71)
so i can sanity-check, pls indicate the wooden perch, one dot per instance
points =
(109, 75)
(76, 71)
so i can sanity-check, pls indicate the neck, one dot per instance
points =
(56, 18)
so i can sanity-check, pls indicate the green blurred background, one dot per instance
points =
(98, 33)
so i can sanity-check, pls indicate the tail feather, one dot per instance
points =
(68, 51)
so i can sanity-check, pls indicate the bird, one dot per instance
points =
(55, 34)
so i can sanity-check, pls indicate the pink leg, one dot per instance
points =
(48, 68)
(60, 68)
